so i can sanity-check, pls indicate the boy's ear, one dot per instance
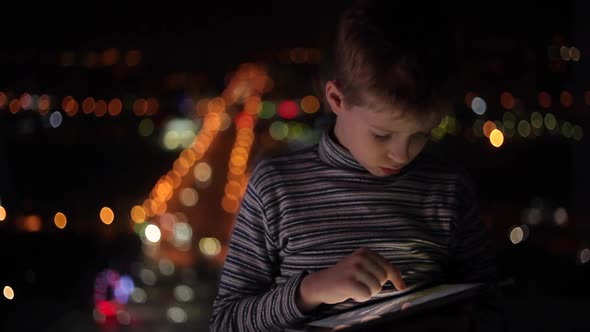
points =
(334, 97)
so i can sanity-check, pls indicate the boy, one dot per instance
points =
(327, 227)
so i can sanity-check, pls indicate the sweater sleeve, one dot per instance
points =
(247, 297)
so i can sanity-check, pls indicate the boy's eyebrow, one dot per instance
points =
(425, 131)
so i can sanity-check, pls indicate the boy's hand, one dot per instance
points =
(358, 276)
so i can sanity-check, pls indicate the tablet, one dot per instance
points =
(394, 306)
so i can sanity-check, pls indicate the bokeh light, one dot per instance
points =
(516, 234)
(507, 100)
(488, 127)
(55, 119)
(288, 109)
(60, 220)
(496, 138)
(560, 216)
(8, 292)
(107, 215)
(524, 128)
(209, 246)
(188, 197)
(176, 315)
(550, 121)
(2, 213)
(584, 256)
(152, 233)
(138, 214)
(310, 104)
(183, 293)
(202, 172)
(478, 105)
(166, 267)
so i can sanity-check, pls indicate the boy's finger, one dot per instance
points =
(393, 274)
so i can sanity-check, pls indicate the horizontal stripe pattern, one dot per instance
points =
(308, 210)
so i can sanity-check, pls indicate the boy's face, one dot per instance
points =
(378, 135)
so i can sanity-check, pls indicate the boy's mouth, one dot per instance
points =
(389, 171)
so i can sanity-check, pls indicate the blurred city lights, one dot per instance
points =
(524, 128)
(202, 172)
(496, 138)
(166, 267)
(55, 119)
(550, 121)
(8, 292)
(176, 315)
(2, 213)
(478, 105)
(507, 100)
(183, 293)
(152, 233)
(188, 197)
(146, 127)
(288, 109)
(560, 216)
(518, 234)
(209, 246)
(60, 220)
(148, 277)
(138, 295)
(107, 215)
(138, 214)
(584, 255)
(310, 104)
(488, 127)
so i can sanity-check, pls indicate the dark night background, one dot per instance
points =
(189, 51)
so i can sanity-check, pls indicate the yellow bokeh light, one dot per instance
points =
(106, 215)
(139, 214)
(496, 138)
(2, 213)
(209, 246)
(60, 220)
(8, 292)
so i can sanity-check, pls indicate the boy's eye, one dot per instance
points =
(380, 137)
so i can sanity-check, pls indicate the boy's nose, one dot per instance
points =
(398, 153)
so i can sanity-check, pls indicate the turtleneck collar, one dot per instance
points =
(334, 154)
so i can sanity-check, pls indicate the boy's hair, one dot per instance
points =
(403, 51)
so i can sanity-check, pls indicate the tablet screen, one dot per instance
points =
(390, 305)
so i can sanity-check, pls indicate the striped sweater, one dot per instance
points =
(308, 210)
